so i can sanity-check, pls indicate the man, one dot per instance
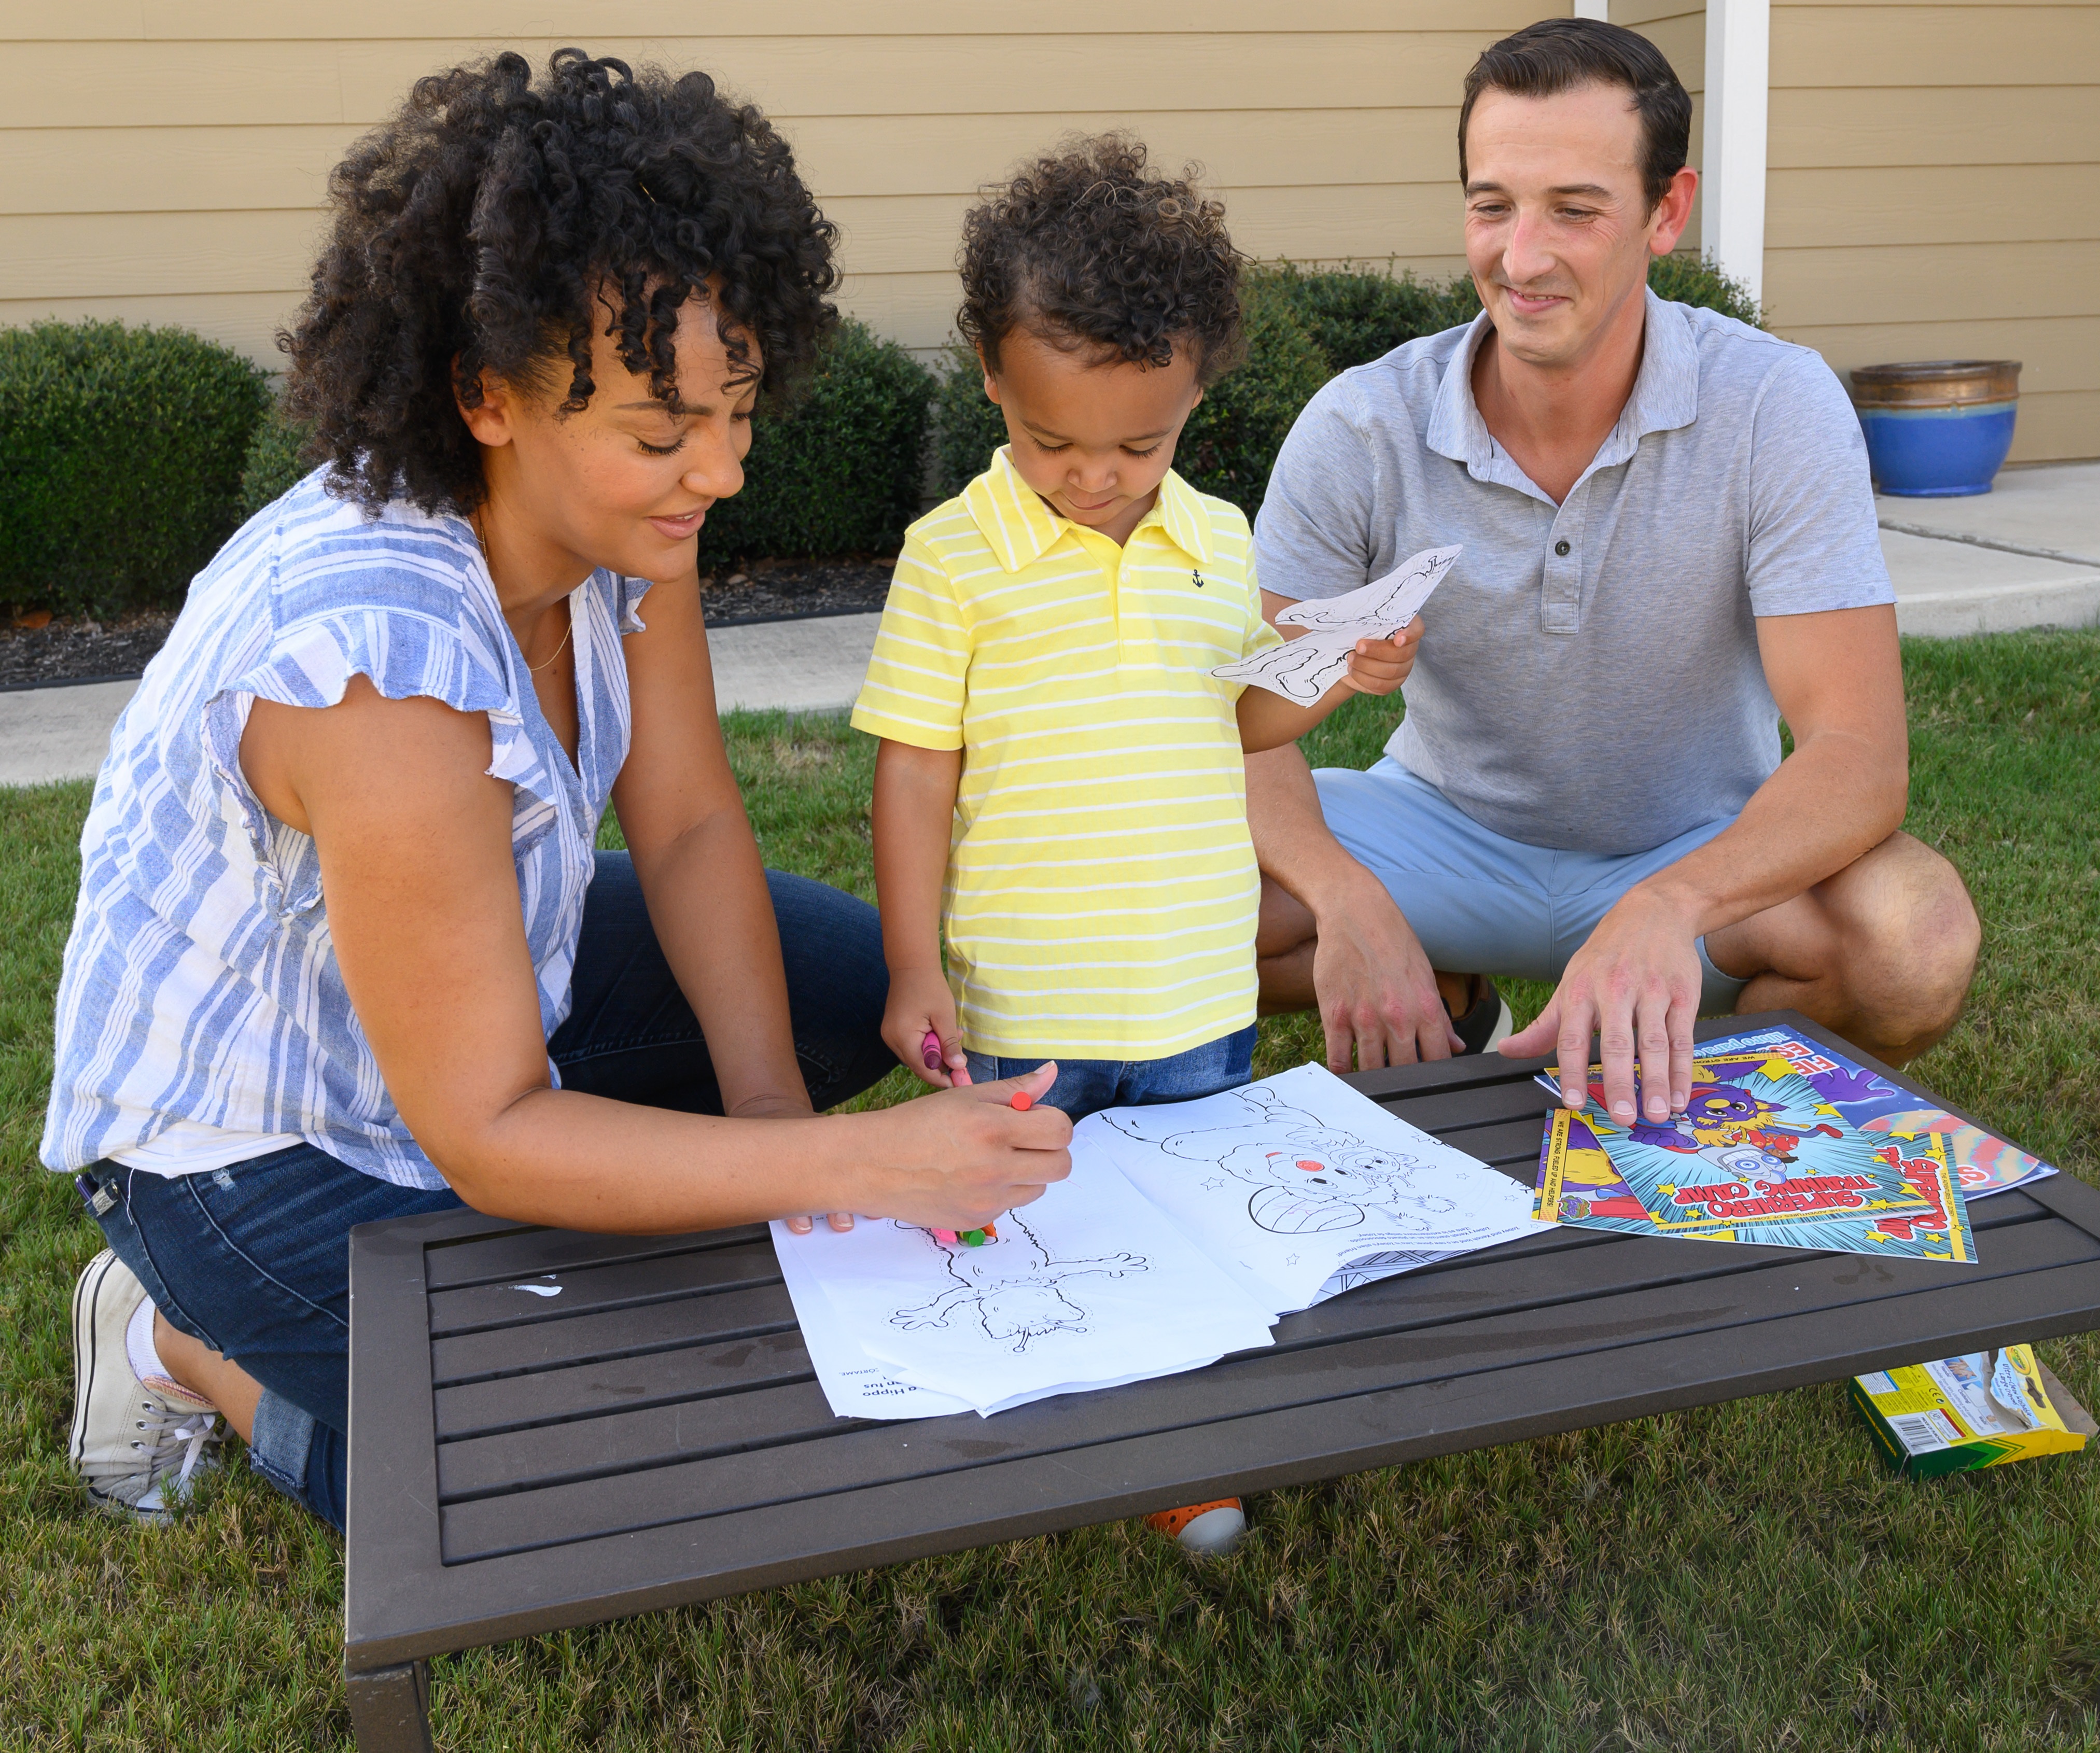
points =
(1669, 545)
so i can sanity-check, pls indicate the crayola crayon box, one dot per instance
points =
(1975, 1411)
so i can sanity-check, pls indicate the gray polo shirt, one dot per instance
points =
(1590, 678)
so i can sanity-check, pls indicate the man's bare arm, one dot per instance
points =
(1837, 678)
(1376, 992)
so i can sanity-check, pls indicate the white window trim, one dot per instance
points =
(1731, 225)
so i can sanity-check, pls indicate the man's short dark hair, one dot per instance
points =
(1560, 54)
(1087, 249)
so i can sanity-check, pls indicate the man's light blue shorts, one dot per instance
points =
(1481, 903)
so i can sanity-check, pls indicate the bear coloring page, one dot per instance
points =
(1300, 1179)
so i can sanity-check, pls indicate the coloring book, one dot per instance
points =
(1299, 1186)
(1183, 1231)
(1759, 1155)
(1085, 1287)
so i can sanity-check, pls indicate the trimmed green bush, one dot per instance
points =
(121, 457)
(1696, 280)
(838, 470)
(276, 461)
(969, 426)
(1229, 441)
(1355, 314)
(1304, 325)
(1233, 437)
(128, 455)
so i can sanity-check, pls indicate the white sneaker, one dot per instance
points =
(137, 1445)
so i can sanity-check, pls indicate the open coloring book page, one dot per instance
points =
(1302, 669)
(1085, 1288)
(857, 1385)
(1290, 1182)
(861, 1386)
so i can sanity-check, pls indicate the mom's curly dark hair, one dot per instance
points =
(1086, 247)
(495, 222)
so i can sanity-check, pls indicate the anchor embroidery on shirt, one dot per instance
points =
(1195, 578)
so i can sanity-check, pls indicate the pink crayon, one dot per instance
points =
(929, 1052)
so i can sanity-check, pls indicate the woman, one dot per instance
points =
(343, 951)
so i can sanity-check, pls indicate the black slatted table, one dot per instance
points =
(655, 1435)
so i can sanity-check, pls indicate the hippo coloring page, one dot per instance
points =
(1302, 1186)
(1085, 1287)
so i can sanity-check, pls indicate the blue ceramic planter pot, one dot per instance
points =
(1940, 429)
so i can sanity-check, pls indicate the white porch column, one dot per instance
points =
(1731, 227)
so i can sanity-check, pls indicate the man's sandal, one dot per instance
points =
(1488, 1020)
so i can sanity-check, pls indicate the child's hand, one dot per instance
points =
(920, 1005)
(1378, 666)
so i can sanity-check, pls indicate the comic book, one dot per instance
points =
(1983, 1163)
(1758, 1156)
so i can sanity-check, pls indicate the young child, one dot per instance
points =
(1060, 788)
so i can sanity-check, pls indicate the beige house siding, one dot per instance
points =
(1678, 28)
(1933, 190)
(166, 162)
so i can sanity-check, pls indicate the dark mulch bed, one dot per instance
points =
(74, 649)
(789, 589)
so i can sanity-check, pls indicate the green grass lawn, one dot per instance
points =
(1747, 1576)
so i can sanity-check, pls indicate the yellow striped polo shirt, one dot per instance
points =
(1101, 890)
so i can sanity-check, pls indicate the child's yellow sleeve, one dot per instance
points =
(917, 680)
(1260, 636)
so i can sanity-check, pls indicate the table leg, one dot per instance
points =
(390, 1708)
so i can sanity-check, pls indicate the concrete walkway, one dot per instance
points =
(2025, 554)
(63, 733)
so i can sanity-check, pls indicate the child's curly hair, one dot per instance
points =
(494, 222)
(1084, 249)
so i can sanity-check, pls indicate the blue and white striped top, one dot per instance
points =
(201, 1017)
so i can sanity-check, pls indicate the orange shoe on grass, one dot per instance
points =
(1210, 1531)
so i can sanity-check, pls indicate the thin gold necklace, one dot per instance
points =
(481, 541)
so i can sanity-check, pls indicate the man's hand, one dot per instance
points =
(1376, 993)
(921, 1005)
(1636, 983)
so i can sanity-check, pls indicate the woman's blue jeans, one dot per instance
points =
(253, 1259)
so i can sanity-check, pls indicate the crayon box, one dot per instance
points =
(1975, 1410)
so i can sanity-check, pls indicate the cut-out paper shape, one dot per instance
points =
(1303, 669)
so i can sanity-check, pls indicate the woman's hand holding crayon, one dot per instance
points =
(998, 1144)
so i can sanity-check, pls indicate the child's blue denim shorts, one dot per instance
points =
(1085, 1086)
